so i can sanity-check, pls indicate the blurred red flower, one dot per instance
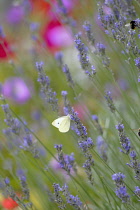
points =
(56, 35)
(5, 49)
(9, 203)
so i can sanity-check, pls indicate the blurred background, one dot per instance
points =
(38, 30)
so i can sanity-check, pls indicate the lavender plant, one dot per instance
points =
(87, 59)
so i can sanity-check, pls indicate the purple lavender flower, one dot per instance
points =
(71, 199)
(137, 62)
(58, 147)
(7, 181)
(118, 178)
(67, 162)
(95, 117)
(90, 36)
(74, 201)
(100, 49)
(121, 192)
(124, 140)
(46, 91)
(8, 190)
(28, 144)
(24, 185)
(70, 160)
(79, 128)
(137, 191)
(39, 65)
(133, 154)
(102, 147)
(55, 165)
(120, 127)
(59, 58)
(88, 167)
(109, 100)
(58, 199)
(134, 164)
(14, 125)
(64, 93)
(20, 172)
(83, 56)
(97, 124)
(68, 75)
(86, 145)
(17, 90)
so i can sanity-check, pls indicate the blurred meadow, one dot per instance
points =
(80, 59)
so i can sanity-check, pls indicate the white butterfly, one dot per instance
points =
(62, 123)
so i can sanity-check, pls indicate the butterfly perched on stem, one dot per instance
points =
(62, 123)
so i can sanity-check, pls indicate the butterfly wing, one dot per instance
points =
(65, 125)
(56, 123)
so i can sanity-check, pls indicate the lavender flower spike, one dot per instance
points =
(134, 164)
(109, 100)
(57, 196)
(124, 140)
(46, 91)
(87, 27)
(137, 191)
(121, 190)
(83, 56)
(67, 162)
(13, 124)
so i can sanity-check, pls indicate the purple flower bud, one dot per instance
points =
(133, 154)
(64, 93)
(95, 117)
(121, 192)
(39, 64)
(118, 177)
(120, 127)
(137, 62)
(6, 180)
(137, 191)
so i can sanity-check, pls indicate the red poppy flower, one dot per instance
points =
(5, 49)
(9, 203)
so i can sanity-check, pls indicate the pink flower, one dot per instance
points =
(69, 4)
(56, 36)
(16, 89)
(82, 110)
